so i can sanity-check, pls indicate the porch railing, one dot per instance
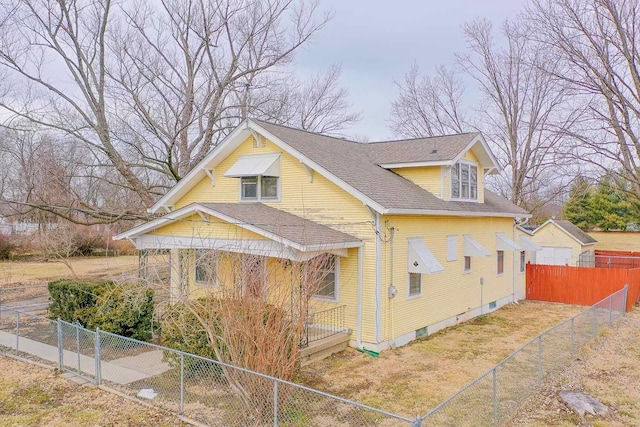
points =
(323, 324)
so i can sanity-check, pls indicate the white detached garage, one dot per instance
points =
(561, 243)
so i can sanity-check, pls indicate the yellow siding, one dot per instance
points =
(552, 236)
(617, 240)
(214, 228)
(451, 292)
(319, 200)
(428, 178)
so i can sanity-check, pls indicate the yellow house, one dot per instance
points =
(562, 243)
(419, 243)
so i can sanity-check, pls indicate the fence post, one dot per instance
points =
(78, 346)
(539, 360)
(17, 331)
(418, 422)
(610, 309)
(275, 403)
(573, 338)
(60, 346)
(495, 397)
(624, 303)
(97, 357)
(181, 383)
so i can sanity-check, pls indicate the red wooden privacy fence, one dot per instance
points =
(580, 285)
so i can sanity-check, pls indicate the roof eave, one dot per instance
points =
(438, 212)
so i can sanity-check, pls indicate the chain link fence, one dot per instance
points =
(494, 398)
(201, 389)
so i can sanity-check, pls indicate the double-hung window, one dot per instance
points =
(206, 267)
(464, 181)
(259, 188)
(327, 272)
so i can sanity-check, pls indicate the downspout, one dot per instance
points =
(378, 273)
(516, 261)
(359, 305)
(391, 285)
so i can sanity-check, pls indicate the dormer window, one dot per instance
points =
(464, 181)
(259, 176)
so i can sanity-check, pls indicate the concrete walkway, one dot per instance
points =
(120, 371)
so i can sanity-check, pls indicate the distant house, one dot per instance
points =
(561, 243)
(419, 242)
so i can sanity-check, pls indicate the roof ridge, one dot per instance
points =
(358, 142)
(422, 137)
(307, 131)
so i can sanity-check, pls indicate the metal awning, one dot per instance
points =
(254, 165)
(420, 259)
(529, 245)
(473, 248)
(503, 243)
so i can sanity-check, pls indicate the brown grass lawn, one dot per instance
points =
(31, 395)
(608, 370)
(32, 272)
(415, 378)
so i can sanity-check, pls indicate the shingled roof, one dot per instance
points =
(357, 164)
(576, 232)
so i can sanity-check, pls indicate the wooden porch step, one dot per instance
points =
(318, 350)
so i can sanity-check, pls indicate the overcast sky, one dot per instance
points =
(377, 41)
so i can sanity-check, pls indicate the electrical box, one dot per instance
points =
(392, 291)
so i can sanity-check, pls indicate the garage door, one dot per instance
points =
(553, 256)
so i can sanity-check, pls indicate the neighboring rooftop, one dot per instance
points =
(576, 232)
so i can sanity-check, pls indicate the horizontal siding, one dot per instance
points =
(317, 199)
(451, 292)
(213, 228)
(425, 177)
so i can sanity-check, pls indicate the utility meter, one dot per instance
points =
(392, 291)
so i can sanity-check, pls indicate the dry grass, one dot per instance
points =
(415, 378)
(608, 370)
(32, 272)
(34, 396)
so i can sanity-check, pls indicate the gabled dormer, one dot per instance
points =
(450, 167)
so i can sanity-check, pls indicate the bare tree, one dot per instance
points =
(523, 103)
(429, 106)
(520, 106)
(319, 104)
(149, 88)
(595, 44)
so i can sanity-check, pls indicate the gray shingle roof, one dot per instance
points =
(357, 165)
(572, 229)
(433, 149)
(286, 225)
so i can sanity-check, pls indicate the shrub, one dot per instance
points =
(119, 309)
(6, 246)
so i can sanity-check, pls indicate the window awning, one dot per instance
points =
(529, 245)
(503, 243)
(420, 259)
(261, 164)
(473, 248)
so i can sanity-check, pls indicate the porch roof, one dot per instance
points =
(285, 228)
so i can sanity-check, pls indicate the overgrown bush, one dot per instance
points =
(6, 246)
(182, 331)
(121, 309)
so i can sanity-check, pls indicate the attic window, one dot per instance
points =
(464, 181)
(259, 176)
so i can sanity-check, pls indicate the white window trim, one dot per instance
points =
(216, 267)
(522, 266)
(498, 274)
(464, 270)
(259, 197)
(419, 294)
(336, 294)
(460, 199)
